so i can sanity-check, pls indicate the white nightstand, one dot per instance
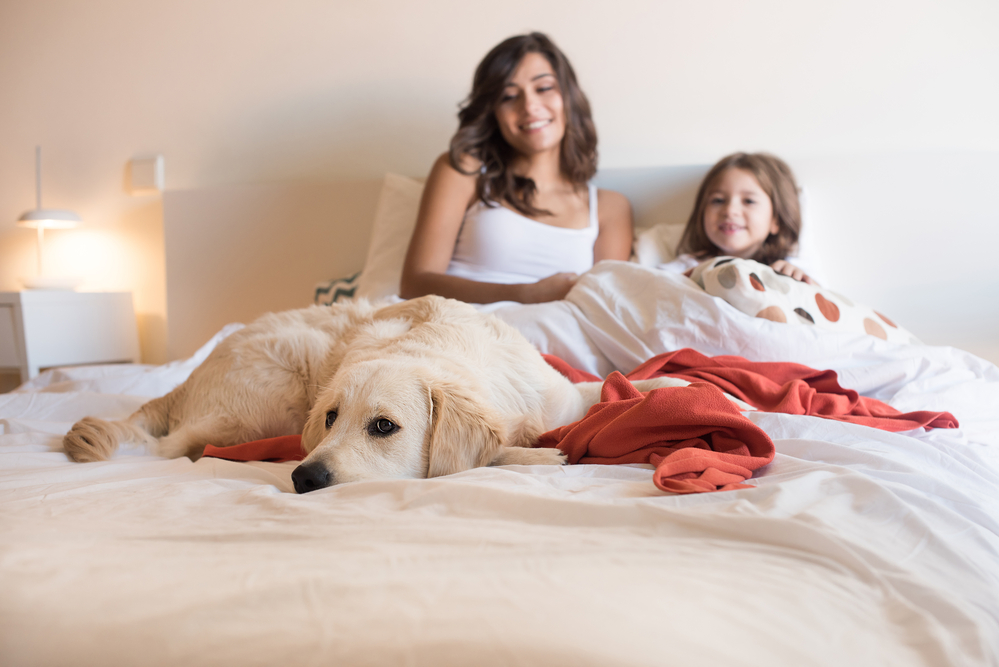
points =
(46, 328)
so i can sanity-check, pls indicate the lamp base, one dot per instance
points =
(52, 282)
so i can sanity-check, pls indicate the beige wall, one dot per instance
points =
(239, 91)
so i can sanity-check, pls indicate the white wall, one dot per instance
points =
(234, 91)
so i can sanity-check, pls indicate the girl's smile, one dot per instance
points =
(739, 215)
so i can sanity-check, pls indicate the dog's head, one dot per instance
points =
(392, 418)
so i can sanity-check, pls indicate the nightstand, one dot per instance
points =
(47, 328)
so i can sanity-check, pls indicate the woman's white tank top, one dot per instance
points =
(498, 245)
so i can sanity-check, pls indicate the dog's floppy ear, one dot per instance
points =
(464, 433)
(315, 428)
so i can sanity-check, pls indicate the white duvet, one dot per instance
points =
(856, 547)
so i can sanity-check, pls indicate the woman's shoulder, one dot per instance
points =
(468, 165)
(449, 187)
(612, 198)
(612, 205)
(443, 172)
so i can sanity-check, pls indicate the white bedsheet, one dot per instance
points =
(856, 547)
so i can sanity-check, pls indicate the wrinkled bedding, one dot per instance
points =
(854, 546)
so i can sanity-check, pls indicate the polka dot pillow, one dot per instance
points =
(758, 290)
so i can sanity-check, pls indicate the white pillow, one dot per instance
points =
(395, 217)
(657, 244)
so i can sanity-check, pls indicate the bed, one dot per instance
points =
(854, 546)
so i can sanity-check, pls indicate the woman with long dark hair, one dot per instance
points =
(508, 213)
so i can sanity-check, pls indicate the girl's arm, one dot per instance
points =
(446, 196)
(616, 227)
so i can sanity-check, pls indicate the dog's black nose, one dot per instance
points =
(311, 476)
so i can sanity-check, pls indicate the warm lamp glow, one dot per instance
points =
(100, 256)
(49, 218)
(46, 218)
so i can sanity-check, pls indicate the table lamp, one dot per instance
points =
(46, 218)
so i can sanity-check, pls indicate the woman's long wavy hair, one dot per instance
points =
(479, 136)
(776, 180)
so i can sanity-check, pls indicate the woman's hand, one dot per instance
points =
(552, 288)
(785, 268)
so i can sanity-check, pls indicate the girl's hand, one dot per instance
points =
(552, 288)
(783, 267)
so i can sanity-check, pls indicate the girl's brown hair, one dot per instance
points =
(479, 135)
(776, 180)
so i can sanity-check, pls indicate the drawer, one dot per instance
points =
(9, 357)
(79, 328)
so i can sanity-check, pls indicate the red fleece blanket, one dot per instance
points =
(277, 450)
(697, 439)
(775, 387)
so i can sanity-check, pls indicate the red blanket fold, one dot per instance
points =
(278, 450)
(697, 438)
(776, 387)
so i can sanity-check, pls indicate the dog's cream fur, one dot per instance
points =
(421, 388)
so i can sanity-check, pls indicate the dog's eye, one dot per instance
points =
(382, 427)
(330, 418)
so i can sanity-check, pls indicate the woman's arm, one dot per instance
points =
(616, 227)
(446, 196)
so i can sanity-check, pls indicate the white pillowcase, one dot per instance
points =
(657, 244)
(395, 217)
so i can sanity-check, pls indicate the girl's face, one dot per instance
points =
(530, 114)
(739, 215)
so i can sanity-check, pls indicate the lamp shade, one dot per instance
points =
(49, 218)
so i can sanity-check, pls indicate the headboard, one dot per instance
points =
(913, 236)
(657, 194)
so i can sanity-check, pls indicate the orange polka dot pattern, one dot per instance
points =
(772, 313)
(875, 329)
(829, 310)
(759, 291)
(886, 320)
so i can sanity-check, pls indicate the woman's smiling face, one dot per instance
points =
(739, 214)
(531, 113)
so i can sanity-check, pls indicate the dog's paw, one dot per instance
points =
(525, 456)
(90, 439)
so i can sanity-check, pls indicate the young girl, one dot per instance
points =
(508, 213)
(747, 206)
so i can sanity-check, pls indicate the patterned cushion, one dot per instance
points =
(758, 290)
(340, 289)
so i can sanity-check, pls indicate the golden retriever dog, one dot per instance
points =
(421, 388)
